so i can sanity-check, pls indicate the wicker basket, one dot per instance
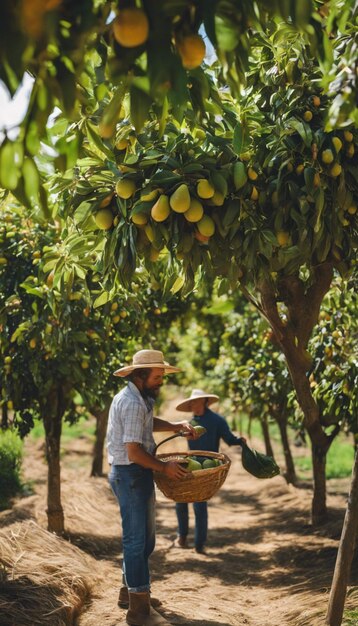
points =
(196, 486)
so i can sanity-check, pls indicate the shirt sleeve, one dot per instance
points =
(227, 435)
(133, 423)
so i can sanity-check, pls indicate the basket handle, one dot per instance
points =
(181, 433)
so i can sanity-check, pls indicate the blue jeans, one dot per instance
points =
(134, 489)
(201, 521)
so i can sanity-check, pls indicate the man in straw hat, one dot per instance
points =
(216, 429)
(131, 456)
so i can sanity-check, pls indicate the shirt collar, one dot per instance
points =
(149, 402)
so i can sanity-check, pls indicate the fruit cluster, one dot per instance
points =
(196, 463)
(131, 29)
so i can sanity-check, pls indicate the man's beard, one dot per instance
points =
(151, 392)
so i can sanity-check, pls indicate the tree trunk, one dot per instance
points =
(4, 417)
(319, 506)
(52, 419)
(292, 334)
(290, 474)
(100, 435)
(345, 555)
(266, 434)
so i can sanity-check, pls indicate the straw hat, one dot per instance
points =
(147, 358)
(196, 394)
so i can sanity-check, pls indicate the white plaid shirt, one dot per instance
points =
(130, 420)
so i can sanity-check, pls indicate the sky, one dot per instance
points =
(12, 111)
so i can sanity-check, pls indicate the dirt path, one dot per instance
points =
(265, 565)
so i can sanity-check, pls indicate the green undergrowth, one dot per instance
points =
(350, 618)
(10, 467)
(340, 459)
(83, 428)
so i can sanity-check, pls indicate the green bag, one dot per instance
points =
(257, 464)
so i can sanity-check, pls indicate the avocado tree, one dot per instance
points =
(53, 343)
(262, 195)
(151, 51)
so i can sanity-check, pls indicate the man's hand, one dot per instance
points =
(187, 429)
(174, 470)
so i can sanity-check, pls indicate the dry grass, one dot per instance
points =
(44, 579)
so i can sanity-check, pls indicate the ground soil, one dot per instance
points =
(265, 565)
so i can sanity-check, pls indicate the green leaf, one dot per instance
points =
(140, 105)
(9, 173)
(241, 139)
(102, 299)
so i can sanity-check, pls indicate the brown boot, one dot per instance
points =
(141, 613)
(123, 599)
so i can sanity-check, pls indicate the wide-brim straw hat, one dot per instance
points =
(147, 359)
(196, 394)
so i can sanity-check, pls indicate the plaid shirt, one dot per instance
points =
(130, 420)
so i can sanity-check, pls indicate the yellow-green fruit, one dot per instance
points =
(209, 464)
(139, 219)
(300, 168)
(116, 221)
(218, 198)
(316, 101)
(327, 156)
(316, 180)
(337, 143)
(180, 199)
(85, 365)
(204, 189)
(122, 144)
(161, 209)
(307, 116)
(7, 359)
(350, 150)
(104, 219)
(193, 465)
(3, 261)
(192, 51)
(352, 210)
(125, 188)
(102, 355)
(206, 226)
(32, 343)
(106, 130)
(131, 27)
(195, 211)
(200, 430)
(149, 231)
(252, 174)
(239, 174)
(335, 170)
(150, 195)
(348, 136)
(254, 193)
(282, 237)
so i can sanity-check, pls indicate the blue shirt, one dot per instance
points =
(130, 421)
(217, 428)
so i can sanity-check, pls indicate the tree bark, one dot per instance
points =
(345, 555)
(292, 335)
(266, 434)
(52, 417)
(290, 473)
(101, 416)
